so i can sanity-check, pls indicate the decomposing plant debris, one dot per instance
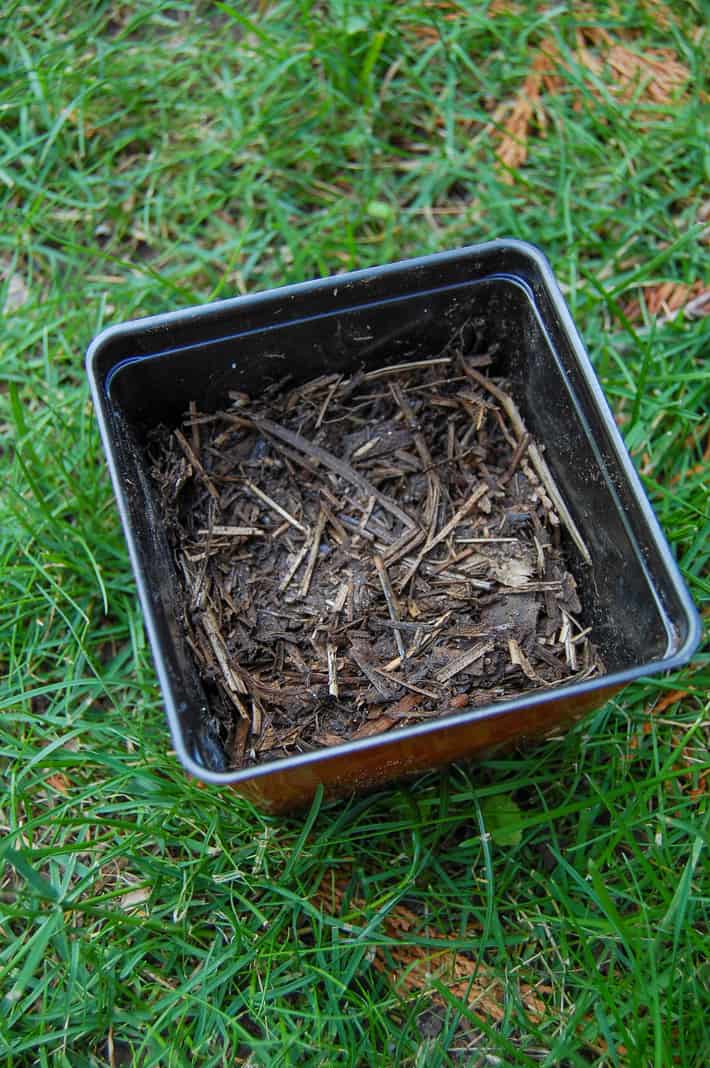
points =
(358, 553)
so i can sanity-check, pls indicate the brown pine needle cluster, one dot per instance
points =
(652, 79)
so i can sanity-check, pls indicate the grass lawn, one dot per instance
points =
(155, 155)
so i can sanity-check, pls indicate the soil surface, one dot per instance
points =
(361, 553)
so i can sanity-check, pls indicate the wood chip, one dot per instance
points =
(461, 663)
(519, 659)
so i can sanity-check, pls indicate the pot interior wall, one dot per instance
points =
(496, 314)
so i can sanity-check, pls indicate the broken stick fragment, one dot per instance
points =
(196, 464)
(264, 497)
(340, 467)
(332, 671)
(460, 663)
(536, 458)
(313, 555)
(392, 606)
(465, 510)
(295, 564)
(232, 532)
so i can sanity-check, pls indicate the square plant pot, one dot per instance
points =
(147, 372)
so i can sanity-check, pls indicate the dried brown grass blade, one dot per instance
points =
(418, 968)
(653, 76)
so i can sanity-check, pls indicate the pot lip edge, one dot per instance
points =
(553, 695)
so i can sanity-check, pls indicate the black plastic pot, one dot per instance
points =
(146, 372)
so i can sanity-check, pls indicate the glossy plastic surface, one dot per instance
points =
(497, 297)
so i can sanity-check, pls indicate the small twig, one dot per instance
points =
(407, 685)
(314, 386)
(453, 459)
(458, 518)
(433, 484)
(403, 546)
(257, 717)
(465, 509)
(195, 427)
(328, 398)
(313, 556)
(357, 528)
(333, 464)
(279, 530)
(341, 533)
(391, 624)
(519, 659)
(276, 507)
(332, 671)
(484, 541)
(520, 450)
(540, 465)
(341, 597)
(504, 428)
(533, 587)
(566, 640)
(541, 568)
(295, 457)
(397, 368)
(197, 465)
(452, 561)
(460, 663)
(419, 644)
(232, 678)
(298, 560)
(371, 502)
(374, 675)
(392, 606)
(233, 532)
(362, 452)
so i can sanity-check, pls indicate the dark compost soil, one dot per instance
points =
(361, 553)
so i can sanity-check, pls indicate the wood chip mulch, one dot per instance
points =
(358, 553)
